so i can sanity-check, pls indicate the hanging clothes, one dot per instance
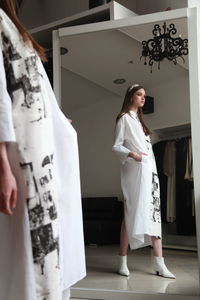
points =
(169, 168)
(159, 150)
(42, 249)
(189, 162)
(189, 172)
(184, 191)
(139, 181)
(184, 197)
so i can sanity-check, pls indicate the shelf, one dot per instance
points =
(106, 12)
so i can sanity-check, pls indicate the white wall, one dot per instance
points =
(171, 103)
(32, 14)
(35, 13)
(100, 172)
(93, 111)
(151, 6)
(59, 9)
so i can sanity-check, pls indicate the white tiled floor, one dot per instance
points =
(102, 266)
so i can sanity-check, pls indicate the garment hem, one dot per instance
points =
(67, 286)
(145, 243)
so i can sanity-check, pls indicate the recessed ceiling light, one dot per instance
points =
(119, 80)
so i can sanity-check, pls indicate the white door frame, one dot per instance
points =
(193, 17)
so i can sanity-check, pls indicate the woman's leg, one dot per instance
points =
(123, 240)
(157, 246)
(123, 268)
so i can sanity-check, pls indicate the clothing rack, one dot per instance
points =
(174, 132)
(176, 241)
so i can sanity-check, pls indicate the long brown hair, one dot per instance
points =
(128, 102)
(10, 8)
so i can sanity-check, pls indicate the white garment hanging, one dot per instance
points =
(43, 154)
(139, 181)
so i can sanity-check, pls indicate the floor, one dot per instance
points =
(102, 266)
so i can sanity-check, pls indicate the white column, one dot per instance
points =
(194, 78)
(193, 3)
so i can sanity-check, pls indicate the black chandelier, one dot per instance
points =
(163, 45)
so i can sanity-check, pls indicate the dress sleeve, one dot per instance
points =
(7, 133)
(118, 147)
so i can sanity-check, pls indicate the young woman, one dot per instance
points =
(41, 249)
(139, 181)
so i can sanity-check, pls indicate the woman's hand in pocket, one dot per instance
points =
(137, 155)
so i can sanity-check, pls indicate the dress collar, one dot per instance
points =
(133, 114)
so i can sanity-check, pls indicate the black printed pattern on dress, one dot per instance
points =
(27, 81)
(43, 243)
(41, 210)
(155, 204)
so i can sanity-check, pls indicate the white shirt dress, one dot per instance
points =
(41, 245)
(139, 182)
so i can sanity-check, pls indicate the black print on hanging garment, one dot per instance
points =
(9, 49)
(41, 210)
(32, 118)
(47, 160)
(26, 80)
(155, 199)
(43, 243)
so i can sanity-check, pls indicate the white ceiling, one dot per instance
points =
(103, 56)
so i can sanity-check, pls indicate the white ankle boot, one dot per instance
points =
(160, 268)
(123, 268)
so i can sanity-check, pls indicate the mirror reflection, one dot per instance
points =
(96, 73)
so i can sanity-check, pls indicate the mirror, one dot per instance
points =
(92, 100)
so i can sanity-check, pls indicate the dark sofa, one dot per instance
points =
(102, 218)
